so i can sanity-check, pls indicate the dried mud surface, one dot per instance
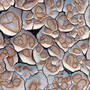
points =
(44, 44)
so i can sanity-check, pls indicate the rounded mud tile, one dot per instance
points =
(26, 5)
(10, 21)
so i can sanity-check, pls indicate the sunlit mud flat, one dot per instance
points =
(44, 44)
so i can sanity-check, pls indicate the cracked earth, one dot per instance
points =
(44, 44)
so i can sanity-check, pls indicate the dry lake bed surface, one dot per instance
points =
(44, 44)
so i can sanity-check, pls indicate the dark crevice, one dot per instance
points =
(35, 31)
(68, 71)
